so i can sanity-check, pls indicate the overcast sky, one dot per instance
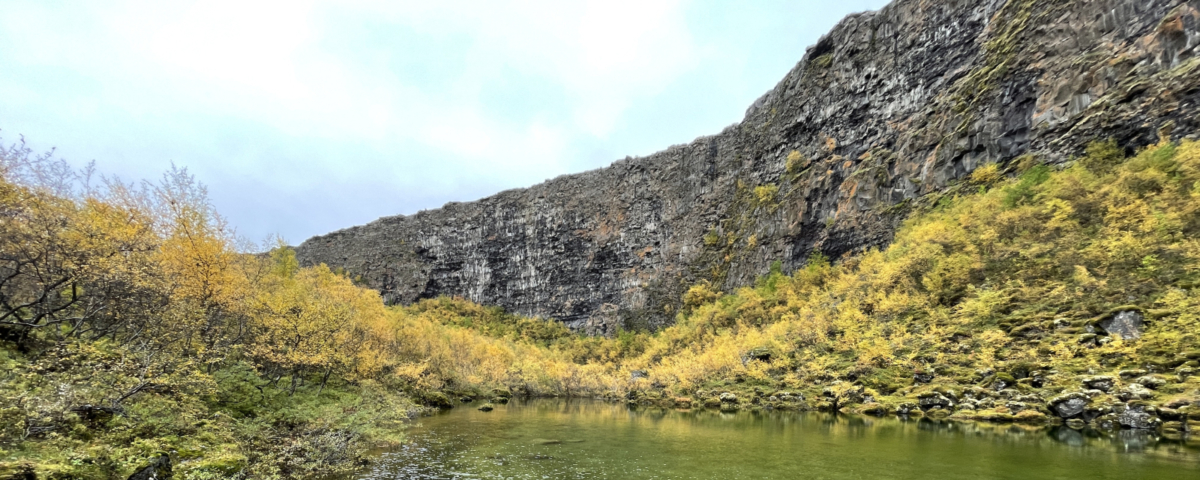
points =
(304, 117)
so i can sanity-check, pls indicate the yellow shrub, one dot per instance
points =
(795, 162)
(986, 174)
(765, 194)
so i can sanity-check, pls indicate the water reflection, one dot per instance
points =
(588, 439)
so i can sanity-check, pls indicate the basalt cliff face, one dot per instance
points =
(890, 109)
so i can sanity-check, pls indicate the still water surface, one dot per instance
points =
(581, 439)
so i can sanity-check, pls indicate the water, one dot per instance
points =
(580, 439)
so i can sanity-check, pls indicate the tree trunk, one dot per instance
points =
(323, 380)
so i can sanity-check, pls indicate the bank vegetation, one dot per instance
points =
(136, 325)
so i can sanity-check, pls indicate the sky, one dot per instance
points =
(304, 117)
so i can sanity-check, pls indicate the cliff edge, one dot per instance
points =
(889, 108)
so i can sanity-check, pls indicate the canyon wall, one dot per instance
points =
(886, 113)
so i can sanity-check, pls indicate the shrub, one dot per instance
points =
(986, 174)
(764, 195)
(795, 162)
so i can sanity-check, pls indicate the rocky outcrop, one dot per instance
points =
(888, 110)
(1103, 383)
(1127, 325)
(1069, 405)
(158, 469)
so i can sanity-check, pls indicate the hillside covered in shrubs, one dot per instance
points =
(1006, 296)
(136, 326)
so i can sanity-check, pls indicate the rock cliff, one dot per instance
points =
(888, 110)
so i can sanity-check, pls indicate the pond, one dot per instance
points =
(584, 439)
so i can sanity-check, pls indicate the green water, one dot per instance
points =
(560, 439)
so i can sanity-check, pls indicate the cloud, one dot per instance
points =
(597, 57)
(304, 116)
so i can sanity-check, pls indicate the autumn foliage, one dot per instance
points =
(121, 301)
(135, 323)
(996, 278)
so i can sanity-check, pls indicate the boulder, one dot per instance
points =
(906, 408)
(1102, 383)
(1138, 418)
(1096, 411)
(922, 377)
(1135, 391)
(1126, 324)
(1170, 414)
(1131, 373)
(1070, 405)
(1183, 373)
(728, 398)
(1002, 381)
(789, 397)
(158, 469)
(1106, 422)
(487, 407)
(1152, 382)
(933, 400)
